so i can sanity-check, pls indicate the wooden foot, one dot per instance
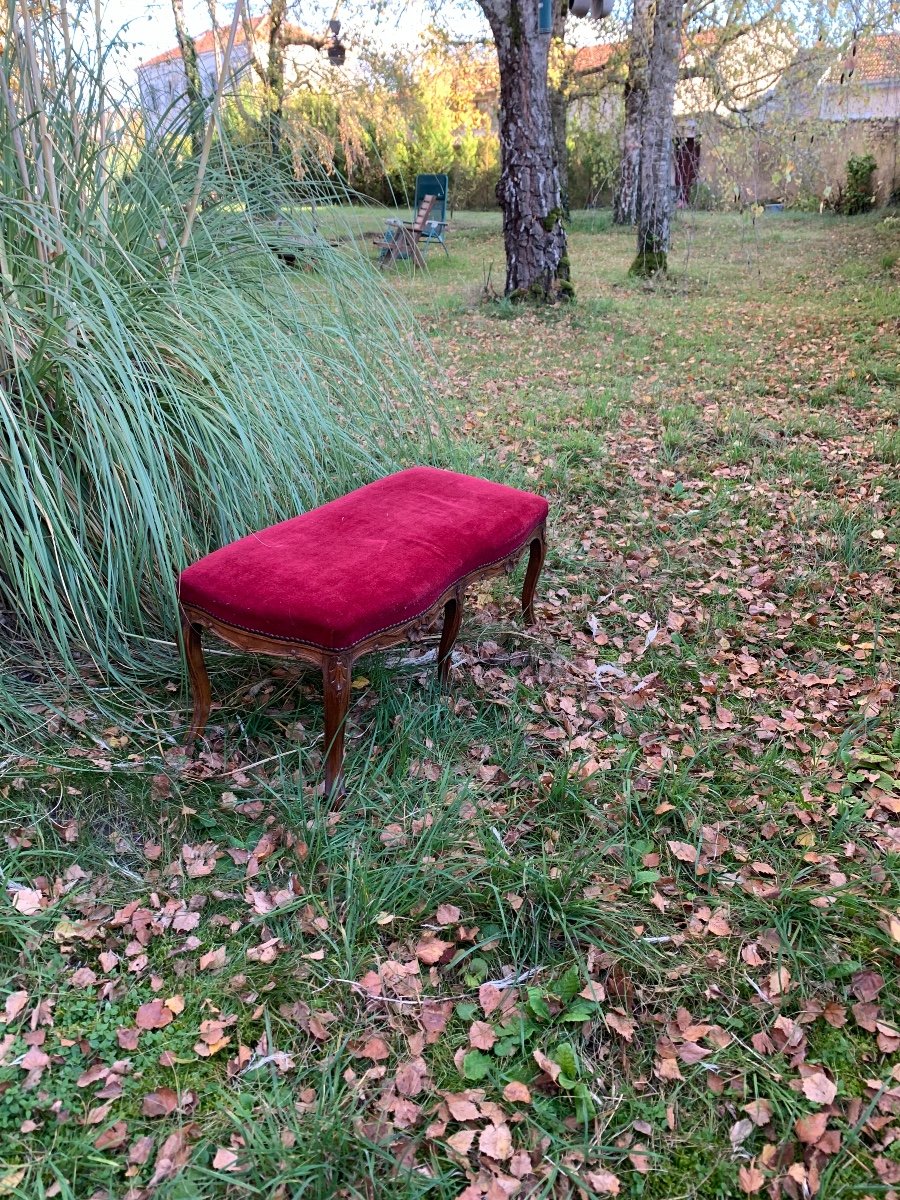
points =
(336, 682)
(201, 693)
(537, 553)
(449, 633)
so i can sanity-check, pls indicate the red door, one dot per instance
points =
(687, 168)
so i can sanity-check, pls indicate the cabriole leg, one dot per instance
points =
(537, 553)
(201, 693)
(449, 634)
(336, 683)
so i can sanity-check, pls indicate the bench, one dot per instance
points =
(356, 575)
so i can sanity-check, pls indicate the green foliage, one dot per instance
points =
(156, 400)
(858, 193)
(594, 154)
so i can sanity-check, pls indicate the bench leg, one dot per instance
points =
(201, 693)
(536, 557)
(336, 683)
(449, 633)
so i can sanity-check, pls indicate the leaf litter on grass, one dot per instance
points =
(617, 917)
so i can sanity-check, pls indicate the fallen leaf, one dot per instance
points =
(818, 1088)
(604, 1182)
(14, 1004)
(375, 1048)
(153, 1015)
(810, 1129)
(160, 1103)
(516, 1093)
(213, 960)
(750, 1179)
(225, 1160)
(27, 901)
(496, 1142)
(481, 1036)
(432, 950)
(462, 1141)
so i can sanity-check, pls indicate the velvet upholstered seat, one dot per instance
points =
(357, 575)
(365, 563)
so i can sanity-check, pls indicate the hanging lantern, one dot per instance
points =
(597, 10)
(336, 51)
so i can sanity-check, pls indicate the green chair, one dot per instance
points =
(436, 226)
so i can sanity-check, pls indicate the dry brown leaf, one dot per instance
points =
(27, 901)
(810, 1129)
(481, 1036)
(604, 1183)
(375, 1048)
(496, 1142)
(624, 1026)
(213, 960)
(462, 1141)
(750, 1179)
(818, 1088)
(225, 1160)
(431, 950)
(14, 1004)
(160, 1103)
(461, 1108)
(153, 1015)
(516, 1093)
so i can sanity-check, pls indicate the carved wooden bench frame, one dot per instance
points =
(337, 665)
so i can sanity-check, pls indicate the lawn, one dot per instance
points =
(619, 915)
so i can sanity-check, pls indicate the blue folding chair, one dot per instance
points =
(436, 226)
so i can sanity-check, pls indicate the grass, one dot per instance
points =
(681, 786)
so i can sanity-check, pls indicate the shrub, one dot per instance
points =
(157, 399)
(858, 193)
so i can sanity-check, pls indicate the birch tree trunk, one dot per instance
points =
(194, 89)
(537, 264)
(656, 198)
(627, 198)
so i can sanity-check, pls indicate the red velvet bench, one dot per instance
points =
(356, 575)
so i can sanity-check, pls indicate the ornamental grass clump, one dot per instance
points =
(183, 358)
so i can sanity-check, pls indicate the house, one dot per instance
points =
(161, 80)
(759, 117)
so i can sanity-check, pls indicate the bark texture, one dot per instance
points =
(627, 198)
(537, 265)
(657, 194)
(193, 89)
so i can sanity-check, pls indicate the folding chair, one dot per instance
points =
(401, 238)
(436, 227)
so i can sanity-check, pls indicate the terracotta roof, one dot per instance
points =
(205, 42)
(871, 60)
(594, 58)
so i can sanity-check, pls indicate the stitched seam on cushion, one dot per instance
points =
(280, 637)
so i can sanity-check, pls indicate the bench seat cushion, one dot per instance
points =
(365, 563)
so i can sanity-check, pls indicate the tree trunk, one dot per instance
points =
(559, 103)
(627, 199)
(194, 88)
(655, 209)
(537, 265)
(275, 77)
